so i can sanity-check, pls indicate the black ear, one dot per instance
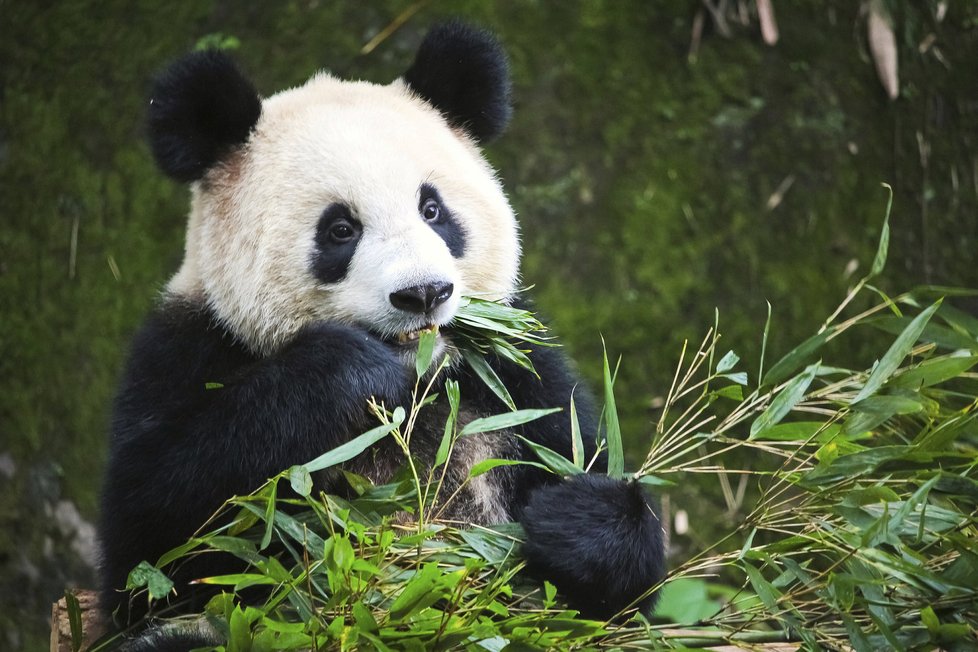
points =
(463, 72)
(201, 106)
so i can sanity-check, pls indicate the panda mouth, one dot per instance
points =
(412, 337)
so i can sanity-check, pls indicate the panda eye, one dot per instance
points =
(341, 232)
(431, 210)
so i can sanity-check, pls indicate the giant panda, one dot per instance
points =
(329, 224)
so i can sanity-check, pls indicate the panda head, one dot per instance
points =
(342, 201)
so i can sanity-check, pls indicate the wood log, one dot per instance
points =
(90, 625)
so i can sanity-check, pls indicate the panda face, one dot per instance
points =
(349, 202)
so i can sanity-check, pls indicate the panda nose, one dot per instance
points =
(421, 298)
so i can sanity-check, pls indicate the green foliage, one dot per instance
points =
(486, 327)
(612, 429)
(865, 532)
(217, 41)
(868, 511)
(146, 575)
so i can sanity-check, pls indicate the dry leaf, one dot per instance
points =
(769, 26)
(882, 46)
(778, 195)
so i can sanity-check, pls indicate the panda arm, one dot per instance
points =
(179, 448)
(201, 397)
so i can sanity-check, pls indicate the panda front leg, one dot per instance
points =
(181, 445)
(598, 540)
(268, 413)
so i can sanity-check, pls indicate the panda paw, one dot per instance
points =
(598, 541)
(357, 363)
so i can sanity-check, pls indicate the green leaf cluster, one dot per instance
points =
(482, 328)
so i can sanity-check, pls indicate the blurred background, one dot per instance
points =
(667, 160)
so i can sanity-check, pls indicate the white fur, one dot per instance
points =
(251, 232)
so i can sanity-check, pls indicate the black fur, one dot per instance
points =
(446, 226)
(463, 72)
(178, 449)
(200, 108)
(333, 254)
(172, 637)
(597, 540)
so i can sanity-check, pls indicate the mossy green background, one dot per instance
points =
(642, 179)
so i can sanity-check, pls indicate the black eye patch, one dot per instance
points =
(337, 235)
(438, 216)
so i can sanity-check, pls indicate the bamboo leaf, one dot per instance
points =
(943, 336)
(933, 372)
(727, 362)
(507, 351)
(897, 352)
(734, 392)
(364, 618)
(879, 261)
(488, 376)
(452, 391)
(782, 404)
(240, 630)
(504, 421)
(553, 460)
(240, 548)
(764, 336)
(959, 320)
(298, 532)
(300, 480)
(418, 593)
(180, 551)
(269, 494)
(577, 441)
(238, 580)
(740, 377)
(799, 431)
(858, 464)
(74, 620)
(685, 601)
(612, 430)
(488, 465)
(795, 358)
(355, 446)
(145, 574)
(871, 412)
(656, 481)
(426, 350)
(766, 591)
(856, 636)
(549, 593)
(489, 544)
